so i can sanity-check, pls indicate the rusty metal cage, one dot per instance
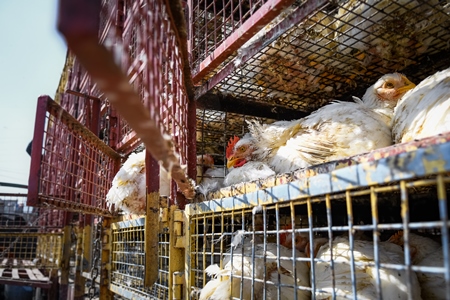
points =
(215, 128)
(129, 260)
(31, 241)
(72, 169)
(274, 59)
(153, 62)
(367, 203)
(316, 51)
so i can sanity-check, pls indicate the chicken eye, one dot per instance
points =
(242, 148)
(389, 85)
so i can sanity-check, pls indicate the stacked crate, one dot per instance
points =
(31, 242)
(246, 59)
(266, 60)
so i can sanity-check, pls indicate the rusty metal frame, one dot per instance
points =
(78, 22)
(394, 176)
(266, 13)
(35, 196)
(268, 37)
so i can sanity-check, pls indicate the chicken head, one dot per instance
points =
(239, 151)
(388, 90)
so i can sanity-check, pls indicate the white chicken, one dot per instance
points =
(222, 287)
(240, 161)
(393, 282)
(128, 190)
(209, 176)
(426, 252)
(205, 163)
(425, 110)
(335, 131)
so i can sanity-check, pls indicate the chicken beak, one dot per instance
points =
(409, 86)
(232, 161)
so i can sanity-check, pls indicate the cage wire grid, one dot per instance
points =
(371, 214)
(214, 21)
(71, 168)
(340, 49)
(30, 237)
(214, 129)
(128, 261)
(319, 77)
(153, 62)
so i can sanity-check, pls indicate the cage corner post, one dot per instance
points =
(65, 259)
(188, 231)
(105, 266)
(177, 247)
(151, 221)
(36, 151)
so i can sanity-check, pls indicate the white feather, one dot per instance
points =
(337, 130)
(252, 170)
(425, 110)
(393, 282)
(128, 190)
(222, 287)
(426, 252)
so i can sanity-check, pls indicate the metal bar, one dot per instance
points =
(84, 95)
(277, 221)
(151, 239)
(65, 261)
(105, 292)
(265, 249)
(78, 22)
(351, 240)
(311, 249)
(192, 139)
(294, 252)
(376, 240)
(36, 151)
(251, 26)
(176, 261)
(14, 185)
(252, 293)
(21, 282)
(443, 209)
(294, 18)
(406, 246)
(177, 16)
(330, 242)
(247, 106)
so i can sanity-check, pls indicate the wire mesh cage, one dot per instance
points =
(30, 241)
(30, 249)
(153, 62)
(129, 261)
(71, 168)
(358, 230)
(214, 130)
(299, 233)
(315, 51)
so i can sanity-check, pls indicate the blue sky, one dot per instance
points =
(32, 55)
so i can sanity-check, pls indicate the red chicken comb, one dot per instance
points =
(284, 235)
(230, 146)
(396, 238)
